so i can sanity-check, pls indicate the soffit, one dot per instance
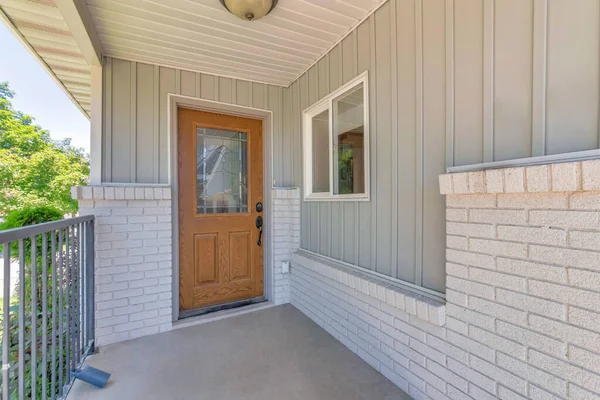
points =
(40, 27)
(200, 35)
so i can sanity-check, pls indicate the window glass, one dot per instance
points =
(320, 152)
(349, 142)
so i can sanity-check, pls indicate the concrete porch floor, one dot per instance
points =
(273, 354)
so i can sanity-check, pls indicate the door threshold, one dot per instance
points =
(223, 313)
(219, 307)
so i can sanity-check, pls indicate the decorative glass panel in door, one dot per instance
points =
(221, 171)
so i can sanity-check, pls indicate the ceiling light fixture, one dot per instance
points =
(249, 10)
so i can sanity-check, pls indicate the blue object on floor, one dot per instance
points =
(92, 376)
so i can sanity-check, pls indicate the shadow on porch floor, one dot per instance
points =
(277, 353)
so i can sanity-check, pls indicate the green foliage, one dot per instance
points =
(26, 217)
(346, 180)
(30, 216)
(34, 169)
(5, 92)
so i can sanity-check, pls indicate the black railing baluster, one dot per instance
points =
(79, 297)
(61, 328)
(21, 370)
(67, 285)
(73, 294)
(44, 315)
(83, 286)
(54, 306)
(34, 330)
(89, 281)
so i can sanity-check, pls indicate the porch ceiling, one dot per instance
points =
(68, 36)
(200, 35)
(41, 27)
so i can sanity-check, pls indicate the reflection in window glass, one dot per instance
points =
(221, 171)
(349, 143)
(320, 152)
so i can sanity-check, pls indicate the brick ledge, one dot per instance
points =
(421, 306)
(560, 177)
(132, 192)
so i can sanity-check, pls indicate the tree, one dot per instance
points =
(34, 169)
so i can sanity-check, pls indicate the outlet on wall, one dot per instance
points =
(285, 267)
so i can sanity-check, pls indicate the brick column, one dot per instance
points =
(286, 238)
(133, 259)
(523, 278)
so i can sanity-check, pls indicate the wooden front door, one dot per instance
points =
(220, 184)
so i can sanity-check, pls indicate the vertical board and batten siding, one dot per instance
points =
(453, 82)
(136, 133)
(400, 232)
(525, 78)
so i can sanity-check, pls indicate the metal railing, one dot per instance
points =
(47, 326)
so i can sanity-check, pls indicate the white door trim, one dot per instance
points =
(176, 101)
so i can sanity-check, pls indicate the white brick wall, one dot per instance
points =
(523, 293)
(134, 282)
(133, 260)
(286, 238)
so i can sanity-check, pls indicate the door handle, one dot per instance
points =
(259, 224)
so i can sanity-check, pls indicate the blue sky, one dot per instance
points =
(38, 95)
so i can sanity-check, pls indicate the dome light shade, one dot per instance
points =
(249, 10)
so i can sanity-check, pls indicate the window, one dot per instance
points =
(336, 144)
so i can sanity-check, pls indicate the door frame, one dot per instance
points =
(176, 101)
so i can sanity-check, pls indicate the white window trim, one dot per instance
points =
(307, 115)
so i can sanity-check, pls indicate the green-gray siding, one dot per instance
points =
(452, 82)
(136, 133)
(400, 232)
